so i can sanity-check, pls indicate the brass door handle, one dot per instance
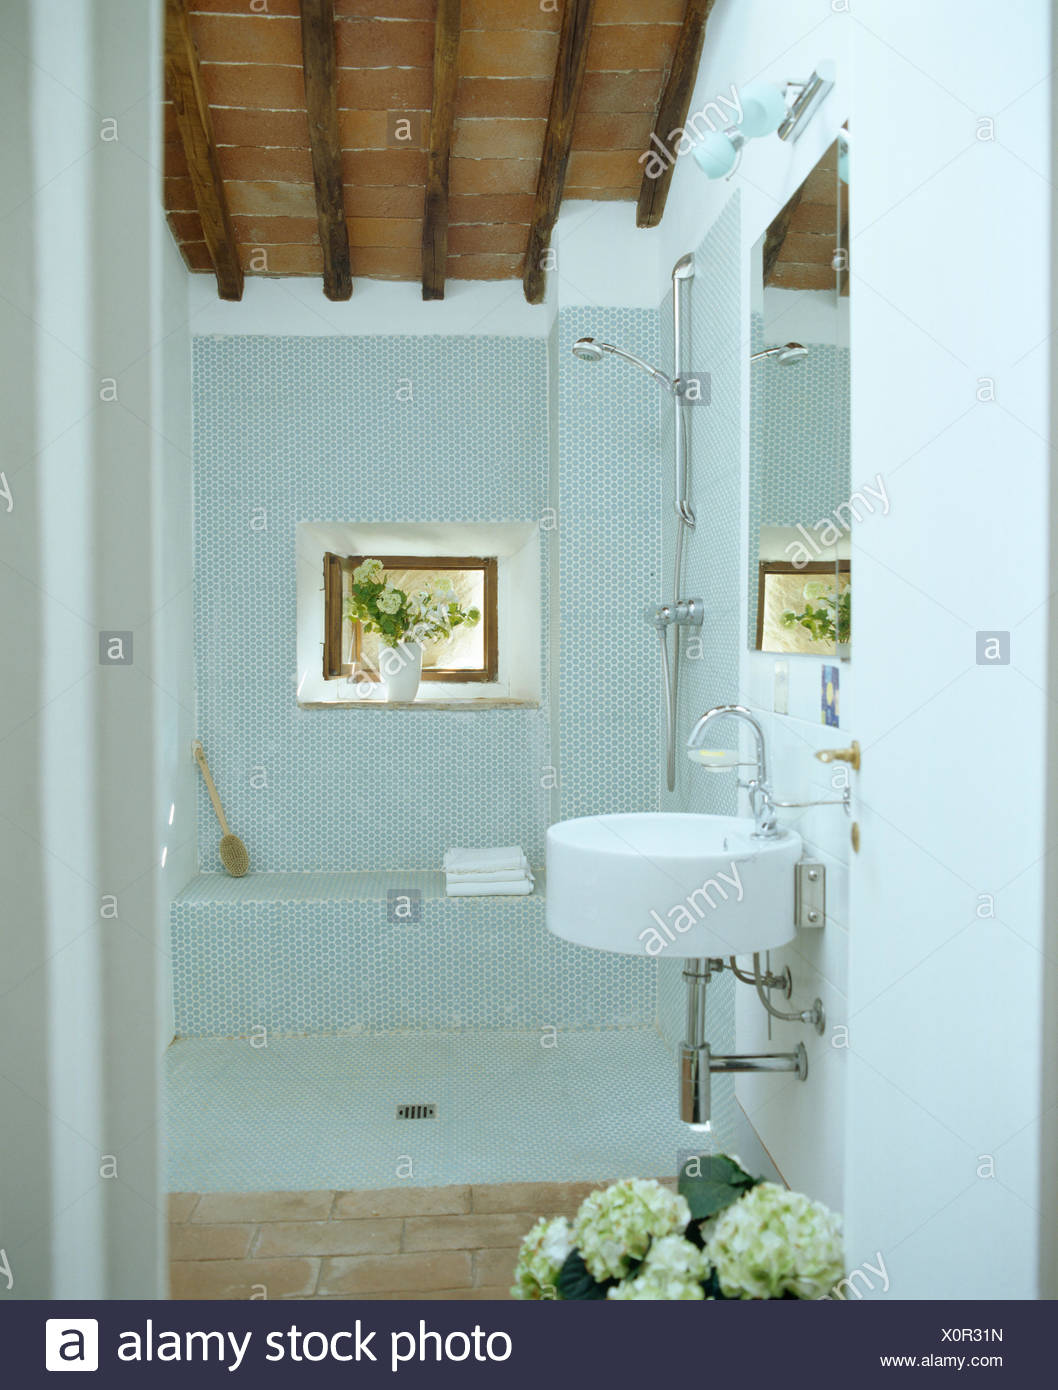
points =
(841, 755)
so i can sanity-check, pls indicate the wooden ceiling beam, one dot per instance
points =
(447, 27)
(775, 236)
(196, 135)
(672, 111)
(558, 138)
(320, 66)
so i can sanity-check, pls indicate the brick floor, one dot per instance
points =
(456, 1243)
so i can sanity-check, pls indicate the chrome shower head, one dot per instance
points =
(591, 350)
(588, 350)
(790, 352)
(784, 355)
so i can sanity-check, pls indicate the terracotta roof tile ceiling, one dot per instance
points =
(249, 56)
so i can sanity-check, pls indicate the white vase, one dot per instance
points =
(401, 671)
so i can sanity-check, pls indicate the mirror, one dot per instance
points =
(800, 580)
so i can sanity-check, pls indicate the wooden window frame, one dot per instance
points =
(766, 567)
(335, 566)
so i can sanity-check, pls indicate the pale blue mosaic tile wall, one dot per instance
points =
(609, 564)
(800, 445)
(322, 429)
(323, 966)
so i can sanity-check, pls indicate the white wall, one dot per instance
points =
(296, 306)
(97, 539)
(803, 1124)
(1049, 1078)
(951, 260)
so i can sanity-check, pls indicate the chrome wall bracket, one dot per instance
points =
(803, 99)
(682, 612)
(810, 894)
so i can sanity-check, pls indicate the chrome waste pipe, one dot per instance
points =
(697, 1061)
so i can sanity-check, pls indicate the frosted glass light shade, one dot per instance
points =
(715, 155)
(763, 108)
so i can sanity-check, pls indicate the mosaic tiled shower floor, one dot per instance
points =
(320, 1111)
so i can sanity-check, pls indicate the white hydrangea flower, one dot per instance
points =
(673, 1270)
(542, 1255)
(369, 572)
(389, 600)
(615, 1226)
(771, 1242)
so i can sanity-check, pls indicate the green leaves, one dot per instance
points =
(394, 616)
(577, 1284)
(710, 1182)
(829, 621)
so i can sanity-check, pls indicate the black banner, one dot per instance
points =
(522, 1344)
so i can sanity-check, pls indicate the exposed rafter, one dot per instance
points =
(672, 111)
(558, 138)
(321, 102)
(196, 135)
(447, 28)
(776, 233)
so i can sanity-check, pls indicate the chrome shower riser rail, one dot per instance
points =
(682, 272)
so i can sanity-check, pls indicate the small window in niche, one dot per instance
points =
(470, 654)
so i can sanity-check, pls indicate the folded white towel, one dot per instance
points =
(500, 876)
(511, 887)
(485, 861)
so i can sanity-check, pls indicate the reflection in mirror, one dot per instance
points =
(800, 596)
(797, 607)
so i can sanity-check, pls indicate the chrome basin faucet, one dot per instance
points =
(758, 787)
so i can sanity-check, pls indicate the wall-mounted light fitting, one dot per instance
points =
(766, 110)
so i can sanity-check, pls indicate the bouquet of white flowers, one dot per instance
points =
(399, 617)
(723, 1235)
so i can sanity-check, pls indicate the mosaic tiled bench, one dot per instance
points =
(327, 952)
